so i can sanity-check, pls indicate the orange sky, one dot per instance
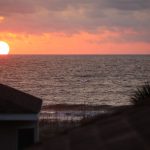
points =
(82, 43)
(70, 28)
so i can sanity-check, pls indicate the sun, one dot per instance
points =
(4, 48)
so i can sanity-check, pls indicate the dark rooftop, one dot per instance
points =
(127, 130)
(15, 101)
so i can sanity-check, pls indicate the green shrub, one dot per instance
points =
(142, 95)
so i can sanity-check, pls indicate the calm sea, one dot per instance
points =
(76, 79)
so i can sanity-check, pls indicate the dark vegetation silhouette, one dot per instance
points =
(50, 126)
(142, 95)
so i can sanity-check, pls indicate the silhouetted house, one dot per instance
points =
(18, 118)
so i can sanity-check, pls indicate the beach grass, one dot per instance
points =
(142, 95)
(51, 127)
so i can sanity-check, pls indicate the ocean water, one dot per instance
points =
(76, 79)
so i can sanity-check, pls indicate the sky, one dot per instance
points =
(76, 26)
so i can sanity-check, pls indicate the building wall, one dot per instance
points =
(8, 139)
(9, 133)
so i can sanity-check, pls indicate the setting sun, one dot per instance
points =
(4, 48)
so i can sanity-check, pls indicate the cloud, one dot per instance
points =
(126, 5)
(11, 7)
(74, 16)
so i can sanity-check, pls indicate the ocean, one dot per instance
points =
(76, 79)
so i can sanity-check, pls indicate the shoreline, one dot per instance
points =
(76, 107)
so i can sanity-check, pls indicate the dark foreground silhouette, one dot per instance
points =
(125, 129)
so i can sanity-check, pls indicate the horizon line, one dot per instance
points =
(83, 54)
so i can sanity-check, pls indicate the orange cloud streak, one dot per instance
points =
(82, 43)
